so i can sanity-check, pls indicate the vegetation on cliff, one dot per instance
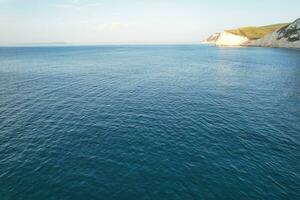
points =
(254, 33)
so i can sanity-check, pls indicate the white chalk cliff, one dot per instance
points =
(229, 39)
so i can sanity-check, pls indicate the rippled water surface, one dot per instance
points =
(149, 122)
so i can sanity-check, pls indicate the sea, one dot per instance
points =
(149, 122)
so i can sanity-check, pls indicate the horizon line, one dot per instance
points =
(62, 44)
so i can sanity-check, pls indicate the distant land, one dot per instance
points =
(285, 35)
(42, 44)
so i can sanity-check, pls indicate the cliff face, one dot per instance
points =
(277, 35)
(229, 39)
(242, 35)
(286, 37)
(291, 32)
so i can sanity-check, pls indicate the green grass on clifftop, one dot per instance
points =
(254, 33)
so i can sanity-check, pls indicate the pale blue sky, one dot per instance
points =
(133, 21)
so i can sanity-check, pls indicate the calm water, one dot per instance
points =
(149, 122)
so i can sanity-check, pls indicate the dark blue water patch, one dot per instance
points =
(149, 122)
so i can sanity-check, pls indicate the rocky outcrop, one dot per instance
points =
(212, 39)
(286, 37)
(290, 32)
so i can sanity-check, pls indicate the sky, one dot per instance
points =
(133, 21)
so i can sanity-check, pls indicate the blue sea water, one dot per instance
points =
(149, 122)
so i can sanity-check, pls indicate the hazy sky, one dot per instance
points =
(133, 21)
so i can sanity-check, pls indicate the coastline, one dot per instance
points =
(283, 36)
